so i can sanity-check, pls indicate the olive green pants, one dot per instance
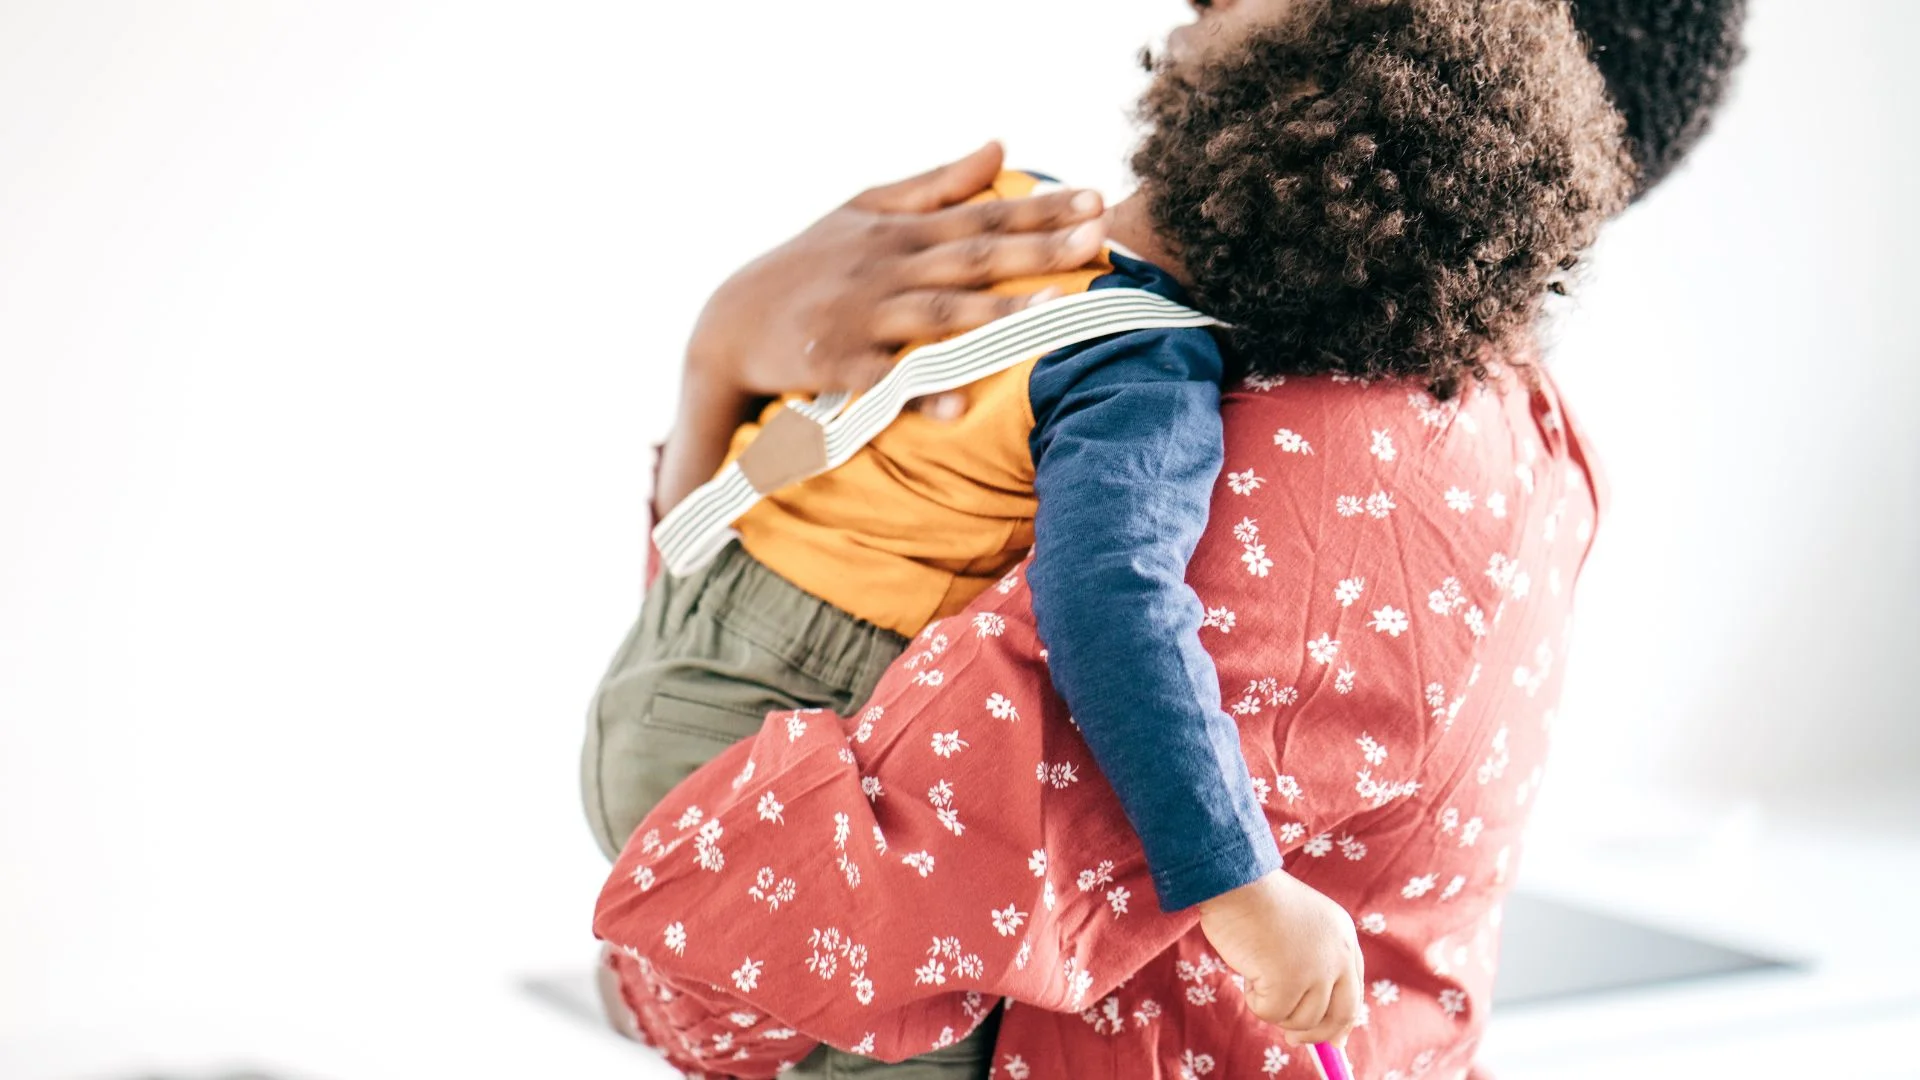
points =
(711, 655)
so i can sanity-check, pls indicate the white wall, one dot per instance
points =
(331, 339)
(1746, 357)
(332, 335)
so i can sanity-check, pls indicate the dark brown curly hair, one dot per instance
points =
(1669, 65)
(1384, 187)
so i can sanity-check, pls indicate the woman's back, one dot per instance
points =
(1388, 581)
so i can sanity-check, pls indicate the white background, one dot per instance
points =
(332, 337)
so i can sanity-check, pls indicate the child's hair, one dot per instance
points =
(1668, 64)
(1385, 187)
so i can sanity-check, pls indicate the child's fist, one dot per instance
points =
(1297, 951)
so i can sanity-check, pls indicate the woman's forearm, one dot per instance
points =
(711, 409)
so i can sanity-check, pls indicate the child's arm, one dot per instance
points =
(1127, 445)
(1126, 448)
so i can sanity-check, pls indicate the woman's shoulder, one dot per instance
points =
(1395, 435)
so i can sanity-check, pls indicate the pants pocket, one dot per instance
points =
(677, 735)
(652, 727)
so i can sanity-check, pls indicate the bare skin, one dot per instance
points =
(1298, 952)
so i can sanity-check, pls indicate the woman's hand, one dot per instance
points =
(905, 262)
(828, 309)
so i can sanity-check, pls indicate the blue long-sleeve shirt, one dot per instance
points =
(1126, 446)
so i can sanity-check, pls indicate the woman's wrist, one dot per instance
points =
(712, 406)
(708, 386)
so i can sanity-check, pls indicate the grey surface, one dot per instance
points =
(1550, 951)
(573, 994)
(246, 1074)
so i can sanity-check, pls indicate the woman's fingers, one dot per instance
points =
(856, 373)
(1037, 213)
(954, 182)
(935, 313)
(989, 257)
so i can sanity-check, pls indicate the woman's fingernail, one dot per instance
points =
(1044, 295)
(1086, 202)
(1085, 234)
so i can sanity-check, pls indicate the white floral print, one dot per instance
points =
(706, 847)
(1390, 621)
(1007, 920)
(948, 743)
(747, 976)
(1287, 787)
(771, 892)
(1347, 593)
(1371, 749)
(1097, 876)
(1220, 619)
(1382, 446)
(1323, 649)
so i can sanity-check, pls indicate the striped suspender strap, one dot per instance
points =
(816, 436)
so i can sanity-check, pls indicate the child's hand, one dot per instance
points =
(1298, 952)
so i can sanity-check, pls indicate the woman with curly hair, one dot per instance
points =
(1668, 65)
(1357, 189)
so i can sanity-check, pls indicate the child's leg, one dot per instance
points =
(711, 655)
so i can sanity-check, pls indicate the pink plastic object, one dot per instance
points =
(1333, 1062)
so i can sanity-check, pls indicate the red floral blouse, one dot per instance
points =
(1388, 582)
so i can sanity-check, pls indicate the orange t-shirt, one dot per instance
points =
(928, 513)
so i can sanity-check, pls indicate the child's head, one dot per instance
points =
(1379, 187)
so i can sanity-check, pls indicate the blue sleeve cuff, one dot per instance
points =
(1239, 861)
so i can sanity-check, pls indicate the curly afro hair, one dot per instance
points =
(1668, 64)
(1384, 188)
